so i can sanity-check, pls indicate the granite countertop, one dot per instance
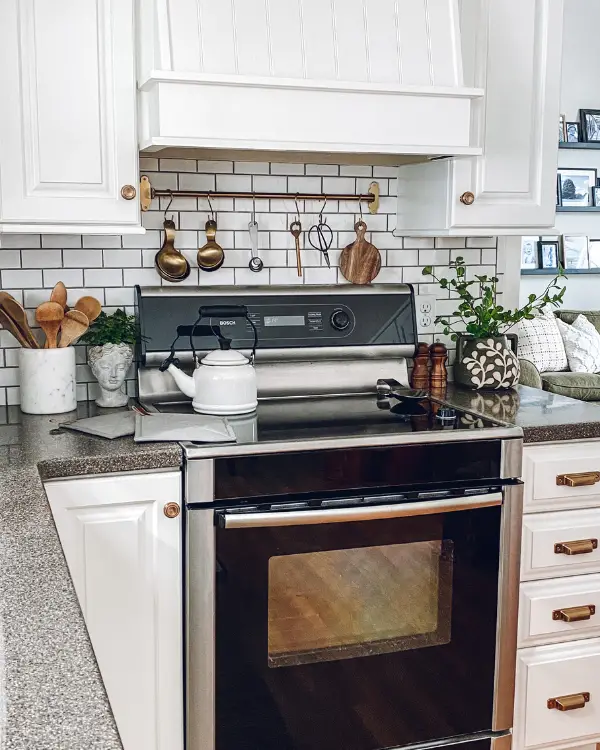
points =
(51, 694)
(543, 417)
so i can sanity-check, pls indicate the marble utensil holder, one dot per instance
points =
(48, 383)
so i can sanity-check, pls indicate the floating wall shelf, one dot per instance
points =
(553, 272)
(591, 144)
(576, 209)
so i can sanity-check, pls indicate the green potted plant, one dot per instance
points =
(485, 358)
(110, 340)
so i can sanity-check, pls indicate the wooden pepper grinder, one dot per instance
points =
(420, 375)
(439, 373)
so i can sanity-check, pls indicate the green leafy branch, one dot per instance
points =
(118, 328)
(477, 308)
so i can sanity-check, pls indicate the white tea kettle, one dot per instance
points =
(224, 381)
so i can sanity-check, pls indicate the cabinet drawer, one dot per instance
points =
(543, 464)
(543, 531)
(549, 672)
(562, 609)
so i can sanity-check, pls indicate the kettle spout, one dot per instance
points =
(184, 382)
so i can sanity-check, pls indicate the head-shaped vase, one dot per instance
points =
(109, 364)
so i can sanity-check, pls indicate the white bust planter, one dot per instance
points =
(109, 364)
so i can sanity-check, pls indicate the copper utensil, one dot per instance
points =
(59, 294)
(9, 325)
(74, 325)
(210, 255)
(14, 310)
(90, 307)
(296, 231)
(50, 316)
(360, 262)
(168, 261)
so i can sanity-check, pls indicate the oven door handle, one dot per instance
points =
(345, 515)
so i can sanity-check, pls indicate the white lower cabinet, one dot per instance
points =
(124, 555)
(567, 675)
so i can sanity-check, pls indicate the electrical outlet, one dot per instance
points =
(425, 306)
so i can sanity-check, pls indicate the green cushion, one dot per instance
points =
(581, 385)
(568, 316)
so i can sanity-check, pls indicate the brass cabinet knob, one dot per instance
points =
(172, 510)
(128, 192)
(569, 702)
(577, 547)
(574, 614)
(467, 198)
(584, 479)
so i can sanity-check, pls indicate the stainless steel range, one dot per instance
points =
(352, 559)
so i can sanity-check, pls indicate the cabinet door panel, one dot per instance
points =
(124, 556)
(517, 61)
(67, 136)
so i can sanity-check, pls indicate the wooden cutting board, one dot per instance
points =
(360, 262)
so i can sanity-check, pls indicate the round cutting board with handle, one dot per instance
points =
(360, 262)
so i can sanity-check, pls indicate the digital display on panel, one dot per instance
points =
(284, 320)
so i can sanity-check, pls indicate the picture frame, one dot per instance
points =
(562, 129)
(572, 132)
(575, 251)
(575, 186)
(530, 259)
(548, 252)
(596, 195)
(594, 253)
(590, 125)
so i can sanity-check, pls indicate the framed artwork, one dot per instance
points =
(572, 132)
(590, 124)
(594, 253)
(562, 129)
(596, 193)
(576, 251)
(575, 186)
(548, 254)
(529, 253)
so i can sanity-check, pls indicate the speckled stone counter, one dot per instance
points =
(51, 693)
(543, 416)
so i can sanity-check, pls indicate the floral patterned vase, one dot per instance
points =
(487, 363)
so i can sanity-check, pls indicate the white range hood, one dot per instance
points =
(372, 77)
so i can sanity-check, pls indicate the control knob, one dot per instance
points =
(340, 320)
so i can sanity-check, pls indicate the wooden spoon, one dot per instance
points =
(9, 325)
(74, 325)
(59, 294)
(14, 310)
(50, 316)
(90, 307)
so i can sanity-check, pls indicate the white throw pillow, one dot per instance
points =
(540, 342)
(582, 344)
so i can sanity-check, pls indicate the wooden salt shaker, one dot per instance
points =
(439, 373)
(420, 375)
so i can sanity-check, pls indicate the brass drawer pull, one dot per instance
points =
(578, 547)
(172, 510)
(585, 479)
(574, 614)
(569, 702)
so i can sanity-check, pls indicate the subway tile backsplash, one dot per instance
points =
(108, 267)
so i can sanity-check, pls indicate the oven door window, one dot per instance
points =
(348, 603)
(361, 635)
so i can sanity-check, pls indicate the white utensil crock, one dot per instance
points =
(47, 380)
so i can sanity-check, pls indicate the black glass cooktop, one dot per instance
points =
(316, 418)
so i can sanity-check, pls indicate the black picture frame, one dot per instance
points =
(573, 132)
(590, 125)
(596, 194)
(549, 254)
(571, 185)
(558, 194)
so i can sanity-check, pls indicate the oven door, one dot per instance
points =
(360, 627)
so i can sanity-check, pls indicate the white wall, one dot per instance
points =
(580, 89)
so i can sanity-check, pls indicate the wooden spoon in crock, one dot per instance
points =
(74, 325)
(50, 316)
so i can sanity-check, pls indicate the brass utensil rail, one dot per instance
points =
(147, 193)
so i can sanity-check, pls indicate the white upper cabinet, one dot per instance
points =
(68, 141)
(342, 76)
(512, 49)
